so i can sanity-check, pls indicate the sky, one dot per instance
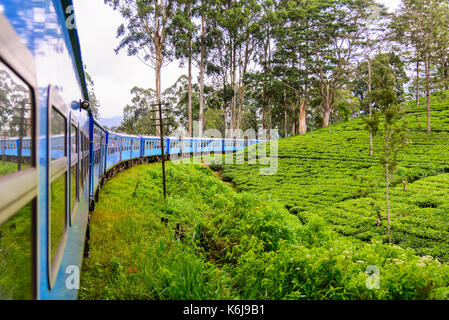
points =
(115, 75)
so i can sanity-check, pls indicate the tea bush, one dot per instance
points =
(332, 175)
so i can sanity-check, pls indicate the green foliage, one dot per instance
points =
(334, 177)
(234, 246)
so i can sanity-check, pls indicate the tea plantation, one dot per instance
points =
(332, 175)
(234, 246)
(308, 232)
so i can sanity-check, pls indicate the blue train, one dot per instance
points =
(54, 156)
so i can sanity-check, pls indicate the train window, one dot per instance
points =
(15, 122)
(81, 165)
(58, 135)
(59, 180)
(74, 167)
(57, 217)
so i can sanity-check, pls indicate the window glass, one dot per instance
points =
(73, 186)
(58, 217)
(58, 135)
(73, 170)
(16, 247)
(74, 140)
(15, 122)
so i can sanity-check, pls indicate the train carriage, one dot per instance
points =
(152, 146)
(113, 149)
(54, 153)
(97, 149)
(181, 145)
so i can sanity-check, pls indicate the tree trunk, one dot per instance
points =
(190, 94)
(270, 118)
(327, 115)
(327, 106)
(302, 116)
(190, 125)
(370, 107)
(418, 93)
(233, 100)
(428, 91)
(264, 108)
(445, 72)
(241, 101)
(202, 63)
(158, 91)
(388, 199)
(285, 116)
(242, 81)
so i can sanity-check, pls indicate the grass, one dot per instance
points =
(233, 246)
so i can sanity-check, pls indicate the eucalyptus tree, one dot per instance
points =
(339, 27)
(417, 26)
(291, 58)
(251, 33)
(208, 13)
(182, 33)
(145, 33)
(230, 20)
(442, 48)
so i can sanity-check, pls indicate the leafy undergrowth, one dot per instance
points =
(234, 246)
(333, 176)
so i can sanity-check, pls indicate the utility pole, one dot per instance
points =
(161, 131)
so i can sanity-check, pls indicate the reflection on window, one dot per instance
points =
(73, 170)
(57, 216)
(58, 135)
(15, 123)
(15, 256)
(74, 141)
(73, 187)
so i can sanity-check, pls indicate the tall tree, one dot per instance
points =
(416, 25)
(335, 45)
(145, 34)
(182, 33)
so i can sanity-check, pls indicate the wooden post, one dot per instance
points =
(159, 122)
(162, 149)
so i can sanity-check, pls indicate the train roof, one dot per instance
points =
(76, 48)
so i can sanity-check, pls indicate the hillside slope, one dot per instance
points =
(332, 175)
(233, 246)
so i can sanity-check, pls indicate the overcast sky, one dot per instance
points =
(115, 75)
